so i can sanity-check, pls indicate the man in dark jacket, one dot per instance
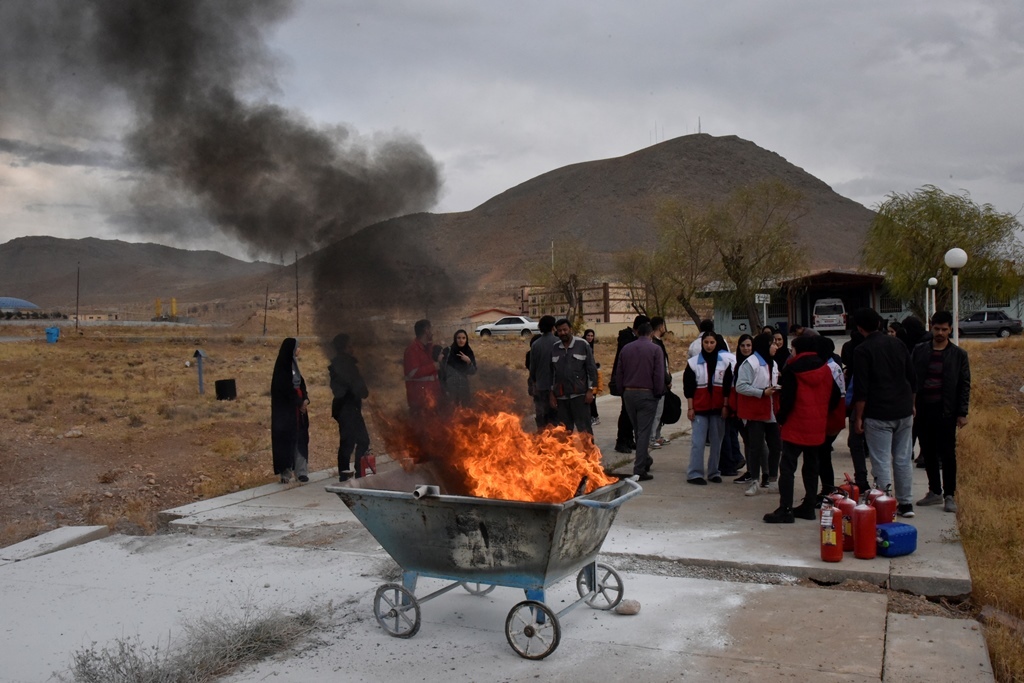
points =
(944, 393)
(883, 406)
(573, 378)
(808, 393)
(349, 390)
(539, 363)
(625, 437)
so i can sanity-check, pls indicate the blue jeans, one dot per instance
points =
(700, 427)
(890, 447)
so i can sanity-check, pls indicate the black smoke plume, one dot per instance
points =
(194, 74)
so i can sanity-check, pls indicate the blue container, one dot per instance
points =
(896, 539)
(52, 335)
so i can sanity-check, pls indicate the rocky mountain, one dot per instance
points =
(609, 204)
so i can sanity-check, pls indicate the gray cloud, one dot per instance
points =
(59, 155)
(872, 97)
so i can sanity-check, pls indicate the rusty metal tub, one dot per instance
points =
(480, 543)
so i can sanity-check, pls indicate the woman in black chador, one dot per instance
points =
(289, 422)
(458, 364)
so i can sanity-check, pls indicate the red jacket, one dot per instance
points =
(808, 394)
(755, 407)
(422, 390)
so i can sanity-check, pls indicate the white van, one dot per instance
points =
(829, 316)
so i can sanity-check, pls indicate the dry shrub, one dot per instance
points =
(109, 477)
(16, 532)
(231, 481)
(1006, 651)
(213, 647)
(228, 447)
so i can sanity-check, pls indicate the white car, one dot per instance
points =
(513, 324)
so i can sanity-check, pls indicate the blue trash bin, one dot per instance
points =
(52, 335)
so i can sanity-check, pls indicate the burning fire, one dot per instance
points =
(487, 453)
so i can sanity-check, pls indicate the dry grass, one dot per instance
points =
(990, 479)
(213, 647)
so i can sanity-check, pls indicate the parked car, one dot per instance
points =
(990, 322)
(512, 324)
(829, 316)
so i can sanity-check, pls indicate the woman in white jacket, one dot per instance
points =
(757, 381)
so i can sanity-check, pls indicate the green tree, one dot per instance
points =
(756, 239)
(912, 232)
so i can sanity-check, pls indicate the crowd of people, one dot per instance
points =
(891, 384)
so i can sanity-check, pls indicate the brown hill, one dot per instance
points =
(43, 270)
(610, 204)
(426, 262)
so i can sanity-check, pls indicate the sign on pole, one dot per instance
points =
(764, 300)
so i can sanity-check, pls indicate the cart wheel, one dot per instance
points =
(397, 610)
(478, 588)
(532, 630)
(607, 592)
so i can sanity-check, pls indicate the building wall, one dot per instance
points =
(606, 302)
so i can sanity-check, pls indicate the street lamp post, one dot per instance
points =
(956, 259)
(932, 284)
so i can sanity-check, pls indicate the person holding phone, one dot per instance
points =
(458, 364)
(757, 402)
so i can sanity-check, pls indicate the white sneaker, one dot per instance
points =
(752, 490)
(773, 486)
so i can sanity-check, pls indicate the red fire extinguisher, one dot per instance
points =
(846, 507)
(852, 490)
(885, 504)
(864, 530)
(874, 493)
(831, 533)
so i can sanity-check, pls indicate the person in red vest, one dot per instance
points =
(808, 394)
(707, 381)
(422, 389)
(756, 402)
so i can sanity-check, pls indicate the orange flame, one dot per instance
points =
(490, 455)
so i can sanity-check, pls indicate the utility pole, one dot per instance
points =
(266, 305)
(78, 291)
(296, 294)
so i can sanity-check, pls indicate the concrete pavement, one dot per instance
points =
(298, 546)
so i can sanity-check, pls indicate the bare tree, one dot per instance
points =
(755, 235)
(648, 276)
(687, 243)
(567, 273)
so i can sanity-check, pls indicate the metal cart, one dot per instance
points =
(480, 543)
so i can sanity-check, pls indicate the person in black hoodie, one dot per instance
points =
(625, 438)
(289, 422)
(349, 390)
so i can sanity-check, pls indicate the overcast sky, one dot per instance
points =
(871, 97)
